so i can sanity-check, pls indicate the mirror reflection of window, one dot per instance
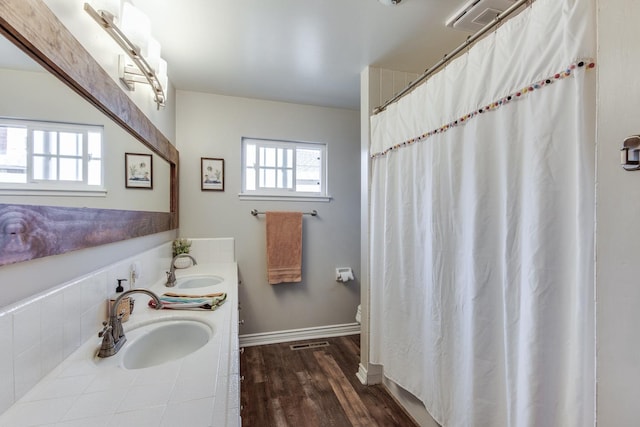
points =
(13, 154)
(52, 155)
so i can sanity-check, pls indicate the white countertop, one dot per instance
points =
(201, 389)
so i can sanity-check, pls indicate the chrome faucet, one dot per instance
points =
(113, 334)
(171, 274)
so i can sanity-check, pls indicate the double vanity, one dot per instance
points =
(176, 368)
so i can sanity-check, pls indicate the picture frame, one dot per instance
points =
(211, 174)
(138, 169)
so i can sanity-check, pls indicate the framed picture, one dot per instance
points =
(211, 174)
(138, 170)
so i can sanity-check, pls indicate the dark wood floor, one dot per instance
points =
(313, 387)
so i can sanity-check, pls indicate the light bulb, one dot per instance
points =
(137, 27)
(153, 54)
(163, 79)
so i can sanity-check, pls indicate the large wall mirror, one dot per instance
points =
(29, 92)
(58, 82)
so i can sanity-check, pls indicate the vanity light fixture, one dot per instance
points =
(137, 27)
(142, 62)
(110, 7)
(390, 2)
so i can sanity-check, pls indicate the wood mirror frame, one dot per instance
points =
(29, 232)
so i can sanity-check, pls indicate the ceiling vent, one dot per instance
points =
(475, 14)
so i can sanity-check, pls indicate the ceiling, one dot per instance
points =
(300, 51)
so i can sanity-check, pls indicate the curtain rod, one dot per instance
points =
(255, 212)
(451, 55)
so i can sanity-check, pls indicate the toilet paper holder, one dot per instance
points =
(630, 153)
(344, 274)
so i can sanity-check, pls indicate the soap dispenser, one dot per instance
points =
(124, 306)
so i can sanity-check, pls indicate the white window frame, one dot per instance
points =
(34, 187)
(283, 193)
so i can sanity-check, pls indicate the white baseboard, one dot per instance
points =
(370, 375)
(362, 374)
(249, 340)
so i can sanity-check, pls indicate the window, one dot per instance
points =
(283, 168)
(50, 156)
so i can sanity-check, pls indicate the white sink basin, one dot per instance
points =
(163, 342)
(198, 282)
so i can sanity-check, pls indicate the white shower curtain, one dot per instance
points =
(482, 228)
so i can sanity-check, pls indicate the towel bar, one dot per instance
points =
(255, 212)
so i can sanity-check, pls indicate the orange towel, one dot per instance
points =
(284, 247)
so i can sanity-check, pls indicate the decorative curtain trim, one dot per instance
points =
(587, 64)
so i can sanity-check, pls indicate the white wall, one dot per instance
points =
(212, 126)
(617, 216)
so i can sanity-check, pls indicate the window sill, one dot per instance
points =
(281, 198)
(53, 192)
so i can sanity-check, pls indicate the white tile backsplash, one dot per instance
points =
(72, 296)
(94, 289)
(7, 396)
(52, 335)
(26, 327)
(91, 320)
(27, 369)
(52, 312)
(213, 250)
(52, 349)
(37, 334)
(72, 337)
(72, 312)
